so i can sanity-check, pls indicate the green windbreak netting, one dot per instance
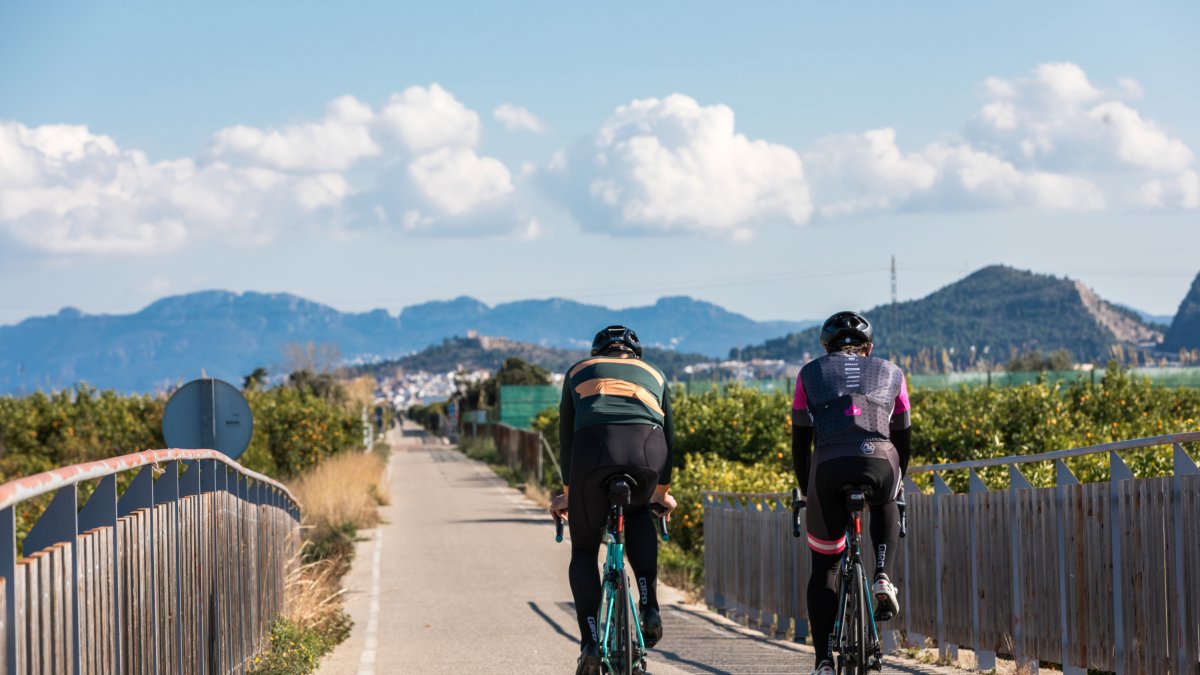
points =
(519, 404)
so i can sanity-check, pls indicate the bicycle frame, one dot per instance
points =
(616, 584)
(851, 571)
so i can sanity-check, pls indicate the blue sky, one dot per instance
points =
(770, 158)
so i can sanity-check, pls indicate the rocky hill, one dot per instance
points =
(1184, 332)
(997, 311)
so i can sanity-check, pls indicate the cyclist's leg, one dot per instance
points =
(641, 547)
(587, 504)
(883, 474)
(640, 450)
(826, 523)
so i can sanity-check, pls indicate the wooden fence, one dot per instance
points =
(524, 451)
(1101, 576)
(181, 573)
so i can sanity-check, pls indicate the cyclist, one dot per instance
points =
(856, 408)
(615, 418)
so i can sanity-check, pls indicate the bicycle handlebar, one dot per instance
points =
(558, 529)
(902, 507)
(798, 504)
(660, 520)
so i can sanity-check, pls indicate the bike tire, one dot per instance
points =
(862, 626)
(624, 629)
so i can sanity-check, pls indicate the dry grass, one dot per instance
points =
(341, 495)
(314, 595)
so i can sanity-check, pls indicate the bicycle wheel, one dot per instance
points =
(861, 626)
(624, 629)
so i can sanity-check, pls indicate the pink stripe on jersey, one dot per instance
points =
(902, 403)
(800, 400)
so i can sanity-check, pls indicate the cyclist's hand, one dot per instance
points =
(558, 506)
(666, 501)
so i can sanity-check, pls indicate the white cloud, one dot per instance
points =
(516, 118)
(1046, 140)
(1131, 87)
(1056, 119)
(1180, 192)
(672, 165)
(1140, 142)
(65, 190)
(858, 172)
(967, 177)
(457, 180)
(869, 172)
(427, 118)
(334, 143)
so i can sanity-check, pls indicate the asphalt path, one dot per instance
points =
(464, 576)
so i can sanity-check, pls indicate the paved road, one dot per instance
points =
(465, 577)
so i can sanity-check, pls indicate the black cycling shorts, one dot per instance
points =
(601, 451)
(874, 464)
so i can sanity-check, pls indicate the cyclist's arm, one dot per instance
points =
(664, 478)
(901, 426)
(566, 431)
(802, 436)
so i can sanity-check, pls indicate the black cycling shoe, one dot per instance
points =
(651, 627)
(589, 661)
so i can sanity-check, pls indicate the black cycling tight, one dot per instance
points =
(641, 548)
(822, 585)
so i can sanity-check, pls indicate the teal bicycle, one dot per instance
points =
(622, 646)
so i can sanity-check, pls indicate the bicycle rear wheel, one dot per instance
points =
(861, 626)
(623, 627)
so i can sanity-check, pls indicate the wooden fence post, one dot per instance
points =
(59, 524)
(1184, 466)
(1118, 472)
(138, 498)
(985, 659)
(940, 490)
(1063, 480)
(1018, 482)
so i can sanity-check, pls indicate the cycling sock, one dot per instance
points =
(641, 547)
(585, 587)
(885, 535)
(822, 601)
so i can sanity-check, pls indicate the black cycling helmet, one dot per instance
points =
(616, 336)
(845, 328)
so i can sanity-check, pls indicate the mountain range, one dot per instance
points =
(1000, 310)
(227, 335)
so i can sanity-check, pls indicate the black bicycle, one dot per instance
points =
(622, 647)
(855, 634)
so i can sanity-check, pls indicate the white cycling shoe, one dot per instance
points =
(825, 667)
(887, 604)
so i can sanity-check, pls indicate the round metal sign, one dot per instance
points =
(208, 414)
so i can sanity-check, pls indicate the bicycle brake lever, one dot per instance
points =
(798, 504)
(660, 520)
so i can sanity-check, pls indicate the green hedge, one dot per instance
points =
(294, 428)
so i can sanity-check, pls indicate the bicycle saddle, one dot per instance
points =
(856, 496)
(619, 488)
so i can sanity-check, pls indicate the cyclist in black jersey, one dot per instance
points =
(614, 418)
(855, 408)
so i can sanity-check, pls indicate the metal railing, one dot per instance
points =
(181, 573)
(1101, 575)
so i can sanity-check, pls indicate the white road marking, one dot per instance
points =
(366, 664)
